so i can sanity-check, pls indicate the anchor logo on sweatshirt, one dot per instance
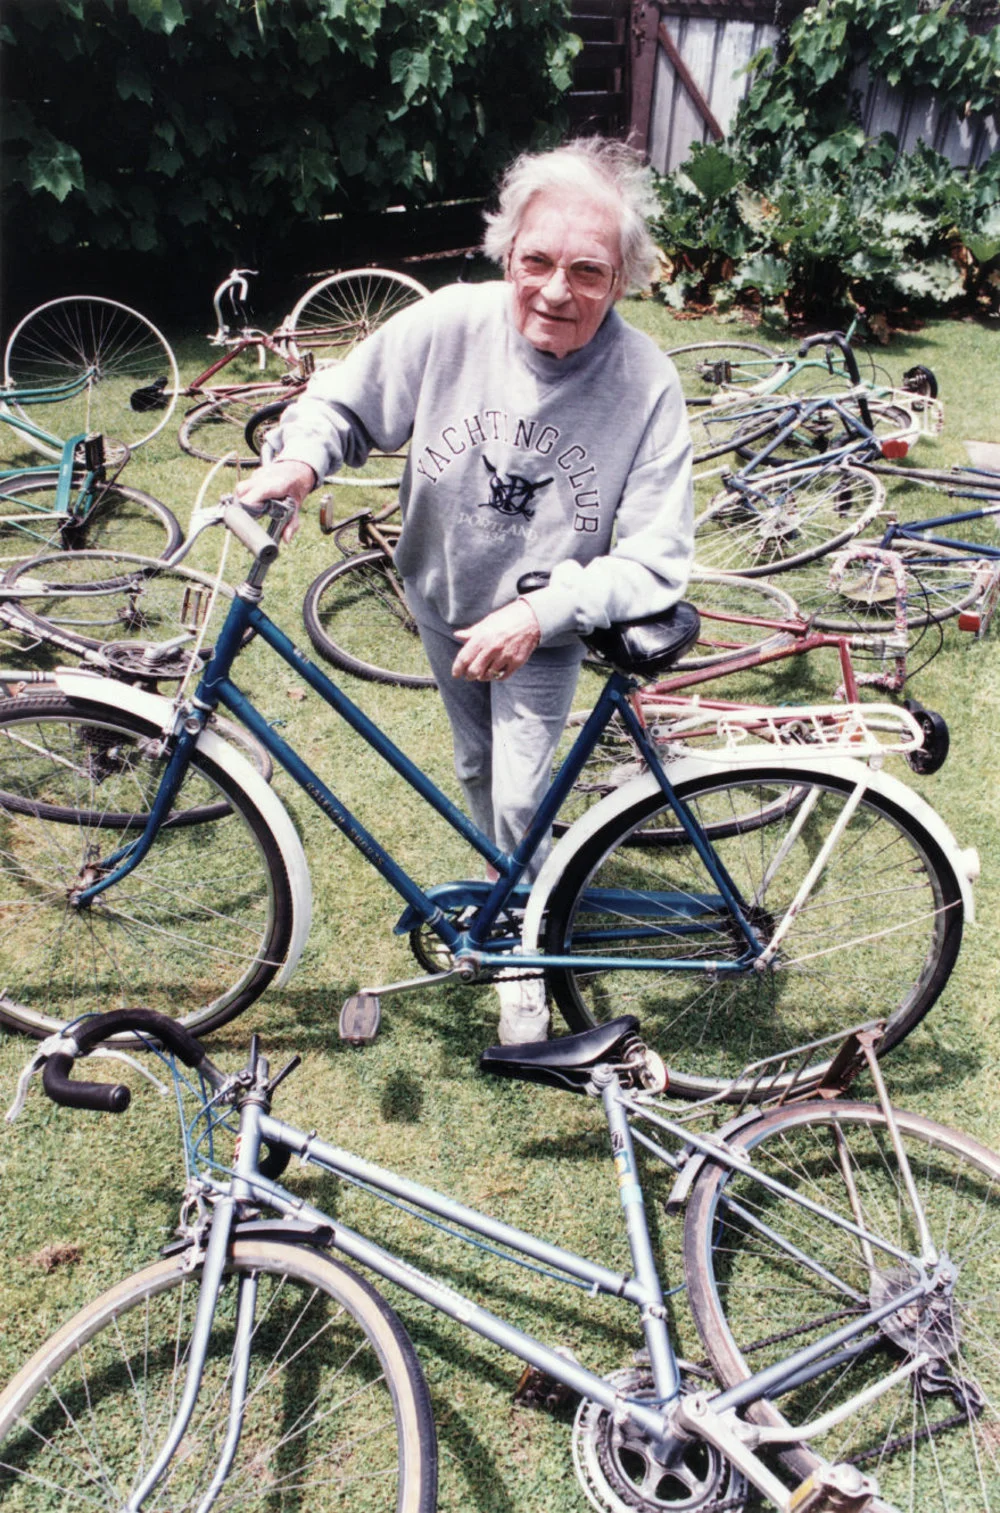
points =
(513, 495)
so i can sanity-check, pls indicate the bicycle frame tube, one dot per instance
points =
(643, 1292)
(916, 530)
(229, 356)
(863, 439)
(50, 394)
(66, 501)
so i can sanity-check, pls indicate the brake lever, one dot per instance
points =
(203, 517)
(62, 1043)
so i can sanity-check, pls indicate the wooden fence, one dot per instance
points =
(687, 75)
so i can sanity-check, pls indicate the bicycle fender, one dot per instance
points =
(963, 862)
(160, 713)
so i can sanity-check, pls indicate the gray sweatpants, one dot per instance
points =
(505, 734)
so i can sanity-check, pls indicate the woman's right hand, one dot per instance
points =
(279, 480)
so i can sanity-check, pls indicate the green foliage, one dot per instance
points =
(907, 232)
(167, 124)
(799, 210)
(803, 87)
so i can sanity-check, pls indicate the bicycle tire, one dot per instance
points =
(217, 428)
(73, 814)
(939, 585)
(340, 311)
(355, 612)
(333, 1374)
(887, 880)
(119, 518)
(198, 930)
(754, 1302)
(262, 422)
(718, 595)
(127, 607)
(774, 521)
(710, 369)
(64, 340)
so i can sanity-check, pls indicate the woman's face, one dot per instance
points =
(561, 229)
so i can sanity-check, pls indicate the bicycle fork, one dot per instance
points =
(216, 1253)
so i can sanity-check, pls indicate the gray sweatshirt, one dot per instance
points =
(518, 461)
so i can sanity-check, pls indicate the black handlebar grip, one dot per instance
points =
(175, 1037)
(839, 340)
(103, 1097)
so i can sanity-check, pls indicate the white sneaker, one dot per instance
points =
(524, 1014)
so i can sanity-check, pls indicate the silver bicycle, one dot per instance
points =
(840, 1260)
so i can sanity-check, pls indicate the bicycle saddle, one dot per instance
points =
(567, 1062)
(643, 647)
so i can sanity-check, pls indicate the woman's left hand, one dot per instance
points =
(497, 645)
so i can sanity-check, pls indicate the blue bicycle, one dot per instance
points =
(738, 899)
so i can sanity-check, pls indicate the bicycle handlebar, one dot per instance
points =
(834, 339)
(839, 340)
(264, 544)
(114, 1098)
(248, 530)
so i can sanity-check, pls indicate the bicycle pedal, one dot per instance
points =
(537, 1389)
(360, 1018)
(834, 1489)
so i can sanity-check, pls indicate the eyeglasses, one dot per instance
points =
(590, 277)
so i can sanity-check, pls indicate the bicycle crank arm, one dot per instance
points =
(361, 1015)
(828, 1489)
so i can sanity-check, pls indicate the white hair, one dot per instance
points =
(597, 167)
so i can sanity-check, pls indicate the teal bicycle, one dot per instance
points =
(76, 362)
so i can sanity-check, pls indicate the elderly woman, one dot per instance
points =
(545, 434)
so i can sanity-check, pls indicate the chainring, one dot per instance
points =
(434, 956)
(619, 1473)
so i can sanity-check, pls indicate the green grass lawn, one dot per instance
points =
(105, 1190)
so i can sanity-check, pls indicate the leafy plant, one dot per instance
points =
(800, 211)
(159, 125)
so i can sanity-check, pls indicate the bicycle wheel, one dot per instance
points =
(218, 428)
(340, 311)
(145, 617)
(381, 470)
(107, 352)
(337, 1413)
(197, 930)
(769, 522)
(766, 1276)
(358, 619)
(711, 370)
(112, 518)
(861, 600)
(879, 932)
(823, 430)
(729, 605)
